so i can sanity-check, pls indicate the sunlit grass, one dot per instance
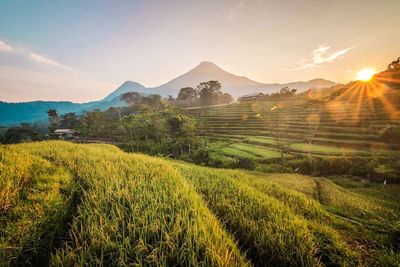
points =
(68, 204)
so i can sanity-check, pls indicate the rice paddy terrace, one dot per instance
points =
(64, 204)
(347, 121)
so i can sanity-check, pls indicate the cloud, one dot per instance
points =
(8, 48)
(5, 47)
(26, 76)
(320, 56)
(22, 84)
(48, 61)
(235, 9)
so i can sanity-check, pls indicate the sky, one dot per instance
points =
(81, 50)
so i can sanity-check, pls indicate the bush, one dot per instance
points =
(385, 172)
(201, 155)
(221, 161)
(274, 168)
(247, 164)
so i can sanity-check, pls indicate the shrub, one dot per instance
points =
(245, 163)
(201, 155)
(222, 161)
(274, 168)
(385, 172)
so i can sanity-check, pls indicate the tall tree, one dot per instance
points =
(145, 131)
(69, 120)
(225, 98)
(313, 125)
(131, 98)
(23, 133)
(183, 130)
(141, 103)
(187, 93)
(152, 102)
(394, 65)
(93, 121)
(392, 75)
(188, 96)
(209, 92)
(279, 131)
(53, 119)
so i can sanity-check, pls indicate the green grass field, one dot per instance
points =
(243, 150)
(67, 204)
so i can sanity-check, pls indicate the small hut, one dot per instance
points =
(250, 97)
(66, 134)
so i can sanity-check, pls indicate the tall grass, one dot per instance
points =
(36, 200)
(347, 203)
(270, 232)
(135, 210)
(66, 204)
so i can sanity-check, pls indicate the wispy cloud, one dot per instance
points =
(42, 59)
(320, 56)
(5, 47)
(45, 79)
(235, 9)
(48, 61)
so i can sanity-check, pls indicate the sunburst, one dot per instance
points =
(365, 74)
(366, 94)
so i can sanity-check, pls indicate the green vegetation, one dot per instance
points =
(37, 201)
(68, 204)
(133, 209)
(257, 150)
(258, 218)
(302, 147)
(205, 94)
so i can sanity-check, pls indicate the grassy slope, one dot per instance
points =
(36, 200)
(134, 210)
(130, 209)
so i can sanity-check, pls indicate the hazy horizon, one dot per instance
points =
(81, 51)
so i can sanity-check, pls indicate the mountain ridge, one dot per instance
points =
(231, 83)
(12, 113)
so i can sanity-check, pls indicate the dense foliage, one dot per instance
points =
(205, 94)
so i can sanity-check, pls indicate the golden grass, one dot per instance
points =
(66, 204)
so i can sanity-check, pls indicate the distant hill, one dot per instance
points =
(127, 86)
(15, 113)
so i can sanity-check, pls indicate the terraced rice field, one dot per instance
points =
(244, 150)
(345, 122)
(64, 204)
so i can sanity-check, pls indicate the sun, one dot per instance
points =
(365, 74)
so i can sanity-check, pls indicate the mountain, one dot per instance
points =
(127, 86)
(207, 71)
(15, 113)
(231, 83)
